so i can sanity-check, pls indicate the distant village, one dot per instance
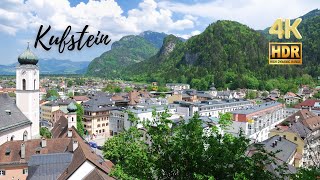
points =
(288, 123)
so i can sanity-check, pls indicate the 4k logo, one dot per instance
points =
(285, 53)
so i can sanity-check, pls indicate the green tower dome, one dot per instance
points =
(27, 57)
(72, 107)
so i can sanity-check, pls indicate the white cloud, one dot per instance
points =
(196, 32)
(187, 36)
(104, 15)
(257, 14)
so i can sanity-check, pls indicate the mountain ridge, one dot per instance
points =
(51, 66)
(128, 50)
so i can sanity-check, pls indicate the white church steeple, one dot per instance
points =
(27, 88)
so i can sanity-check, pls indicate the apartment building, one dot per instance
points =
(49, 109)
(211, 108)
(96, 114)
(177, 86)
(256, 121)
(119, 119)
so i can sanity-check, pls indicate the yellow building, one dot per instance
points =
(96, 115)
(47, 110)
(293, 137)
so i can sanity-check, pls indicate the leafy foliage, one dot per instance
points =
(51, 93)
(228, 54)
(251, 94)
(163, 150)
(112, 88)
(44, 132)
(80, 126)
(127, 51)
(317, 95)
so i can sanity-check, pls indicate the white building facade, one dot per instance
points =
(257, 121)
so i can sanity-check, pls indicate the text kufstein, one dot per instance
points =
(70, 43)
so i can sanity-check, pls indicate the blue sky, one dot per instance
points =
(20, 19)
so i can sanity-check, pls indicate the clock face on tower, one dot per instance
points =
(23, 72)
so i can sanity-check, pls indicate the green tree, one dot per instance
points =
(251, 94)
(52, 92)
(307, 174)
(44, 132)
(112, 88)
(162, 89)
(128, 89)
(264, 94)
(280, 100)
(70, 94)
(184, 151)
(12, 94)
(70, 83)
(117, 89)
(80, 81)
(163, 95)
(80, 111)
(317, 95)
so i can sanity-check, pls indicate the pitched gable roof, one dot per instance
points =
(10, 115)
(48, 166)
(85, 153)
(60, 128)
(31, 146)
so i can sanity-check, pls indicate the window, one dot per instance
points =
(98, 125)
(72, 119)
(2, 172)
(25, 171)
(23, 84)
(12, 137)
(25, 136)
(295, 138)
(34, 84)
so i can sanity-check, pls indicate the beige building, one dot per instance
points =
(49, 109)
(96, 115)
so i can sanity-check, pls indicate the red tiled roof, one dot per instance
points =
(291, 94)
(53, 146)
(81, 98)
(82, 154)
(308, 102)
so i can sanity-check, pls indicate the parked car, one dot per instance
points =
(93, 144)
(100, 147)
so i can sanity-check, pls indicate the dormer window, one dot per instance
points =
(8, 151)
(8, 112)
(38, 149)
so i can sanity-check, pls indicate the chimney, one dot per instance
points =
(275, 143)
(280, 138)
(75, 145)
(43, 142)
(272, 145)
(69, 133)
(296, 118)
(23, 151)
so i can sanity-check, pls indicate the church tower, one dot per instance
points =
(72, 115)
(27, 89)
